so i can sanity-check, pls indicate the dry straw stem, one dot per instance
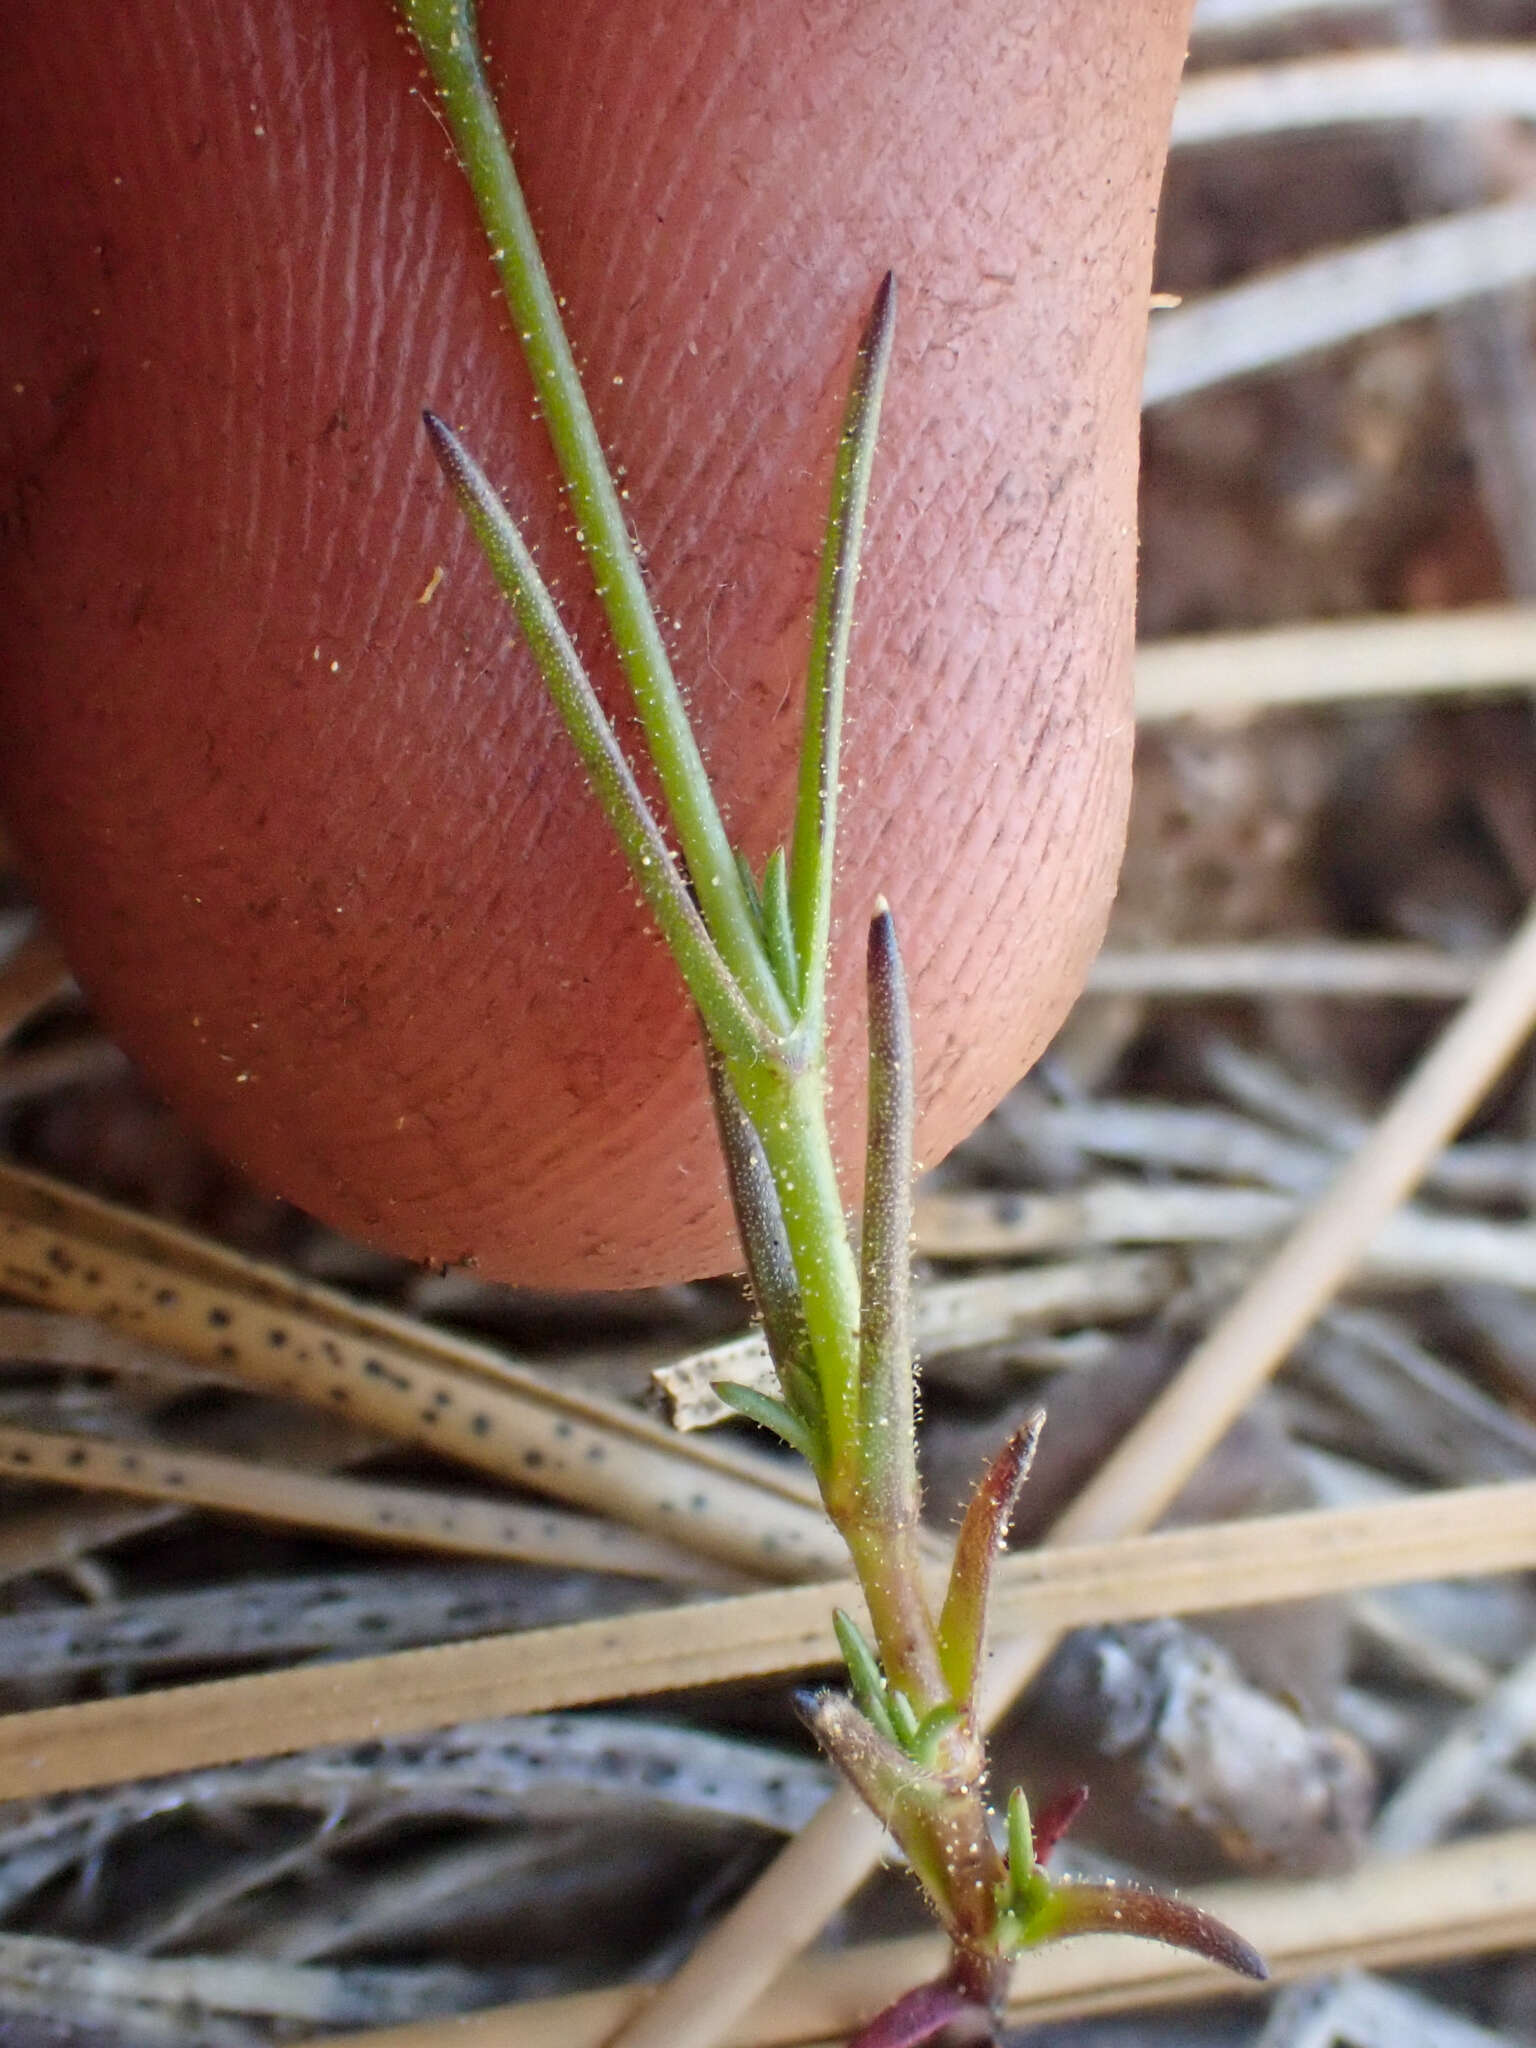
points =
(58, 1534)
(32, 1337)
(1476, 1897)
(789, 1904)
(1232, 675)
(1332, 298)
(1433, 84)
(1237, 17)
(410, 1517)
(48, 1538)
(947, 1316)
(1230, 1146)
(1462, 1532)
(1444, 1784)
(1324, 968)
(259, 1325)
(204, 2000)
(1416, 1247)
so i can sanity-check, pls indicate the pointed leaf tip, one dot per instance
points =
(882, 314)
(452, 456)
(1124, 1909)
(963, 1622)
(1055, 1819)
(768, 1412)
(866, 1679)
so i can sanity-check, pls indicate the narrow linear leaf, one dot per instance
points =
(770, 1263)
(904, 1720)
(963, 1622)
(919, 2015)
(778, 934)
(1124, 1909)
(931, 1731)
(810, 866)
(749, 887)
(445, 30)
(768, 1412)
(1056, 1817)
(865, 1678)
(887, 1446)
(726, 1015)
(1021, 1837)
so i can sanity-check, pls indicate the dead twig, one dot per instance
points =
(952, 1315)
(1436, 84)
(412, 1517)
(1447, 1781)
(1226, 675)
(240, 1319)
(1324, 968)
(1324, 300)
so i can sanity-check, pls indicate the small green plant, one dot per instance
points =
(752, 951)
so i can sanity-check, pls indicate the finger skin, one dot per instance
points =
(315, 847)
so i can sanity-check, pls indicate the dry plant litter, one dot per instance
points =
(1334, 839)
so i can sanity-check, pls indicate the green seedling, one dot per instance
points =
(752, 952)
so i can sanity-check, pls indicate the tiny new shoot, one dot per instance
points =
(752, 952)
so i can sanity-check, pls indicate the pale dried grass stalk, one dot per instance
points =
(1222, 1145)
(408, 1517)
(1444, 1784)
(81, 1985)
(260, 1325)
(1413, 1248)
(947, 1315)
(1324, 300)
(1231, 675)
(32, 1337)
(1434, 84)
(1368, 971)
(48, 1538)
(1461, 1532)
(1238, 17)
(1424, 1658)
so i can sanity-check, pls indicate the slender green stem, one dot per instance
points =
(730, 1023)
(811, 853)
(445, 30)
(756, 964)
(889, 1567)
